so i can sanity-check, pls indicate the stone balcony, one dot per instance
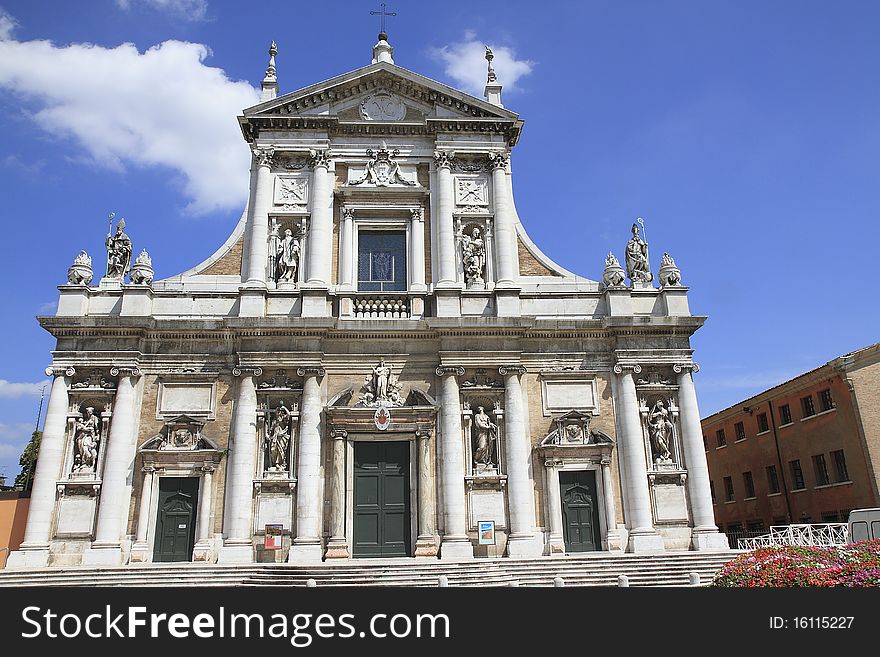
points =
(381, 305)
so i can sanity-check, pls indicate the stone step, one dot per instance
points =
(599, 569)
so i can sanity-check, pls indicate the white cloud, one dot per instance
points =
(190, 10)
(160, 108)
(7, 24)
(465, 62)
(10, 390)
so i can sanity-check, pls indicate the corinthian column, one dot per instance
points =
(445, 228)
(34, 550)
(346, 255)
(118, 473)
(455, 545)
(306, 546)
(705, 535)
(426, 543)
(642, 536)
(258, 222)
(505, 221)
(520, 490)
(240, 468)
(321, 226)
(337, 548)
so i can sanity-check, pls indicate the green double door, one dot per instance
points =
(176, 518)
(381, 499)
(580, 511)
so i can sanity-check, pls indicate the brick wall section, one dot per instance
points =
(540, 425)
(217, 430)
(229, 263)
(803, 438)
(866, 390)
(529, 265)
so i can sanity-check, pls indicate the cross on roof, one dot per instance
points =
(382, 14)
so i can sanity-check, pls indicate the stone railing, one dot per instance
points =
(381, 306)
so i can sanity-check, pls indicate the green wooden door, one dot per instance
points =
(580, 511)
(176, 518)
(381, 499)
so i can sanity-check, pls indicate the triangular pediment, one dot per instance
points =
(380, 92)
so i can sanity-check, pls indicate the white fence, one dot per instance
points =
(824, 535)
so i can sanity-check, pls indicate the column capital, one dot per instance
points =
(55, 370)
(338, 434)
(311, 370)
(263, 155)
(443, 159)
(424, 433)
(148, 469)
(347, 213)
(678, 368)
(320, 158)
(247, 371)
(512, 369)
(620, 367)
(416, 214)
(208, 469)
(125, 370)
(498, 160)
(457, 370)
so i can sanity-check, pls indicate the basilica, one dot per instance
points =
(378, 362)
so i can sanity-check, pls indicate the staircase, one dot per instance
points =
(596, 569)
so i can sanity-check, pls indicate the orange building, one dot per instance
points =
(13, 513)
(805, 451)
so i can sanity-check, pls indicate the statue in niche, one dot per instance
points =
(381, 387)
(638, 267)
(86, 438)
(118, 252)
(486, 433)
(287, 258)
(473, 254)
(660, 429)
(279, 438)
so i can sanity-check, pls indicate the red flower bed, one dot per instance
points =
(857, 564)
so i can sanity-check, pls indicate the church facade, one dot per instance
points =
(378, 363)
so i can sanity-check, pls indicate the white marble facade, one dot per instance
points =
(261, 373)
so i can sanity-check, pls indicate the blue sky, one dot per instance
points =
(745, 133)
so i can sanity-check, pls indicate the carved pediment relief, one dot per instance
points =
(182, 434)
(573, 429)
(380, 92)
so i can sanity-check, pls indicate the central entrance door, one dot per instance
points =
(580, 511)
(381, 499)
(176, 518)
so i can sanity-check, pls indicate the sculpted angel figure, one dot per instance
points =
(279, 438)
(473, 250)
(486, 432)
(87, 436)
(287, 258)
(660, 428)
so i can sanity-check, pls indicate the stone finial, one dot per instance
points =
(382, 51)
(613, 276)
(270, 81)
(492, 92)
(489, 57)
(669, 273)
(80, 272)
(142, 270)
